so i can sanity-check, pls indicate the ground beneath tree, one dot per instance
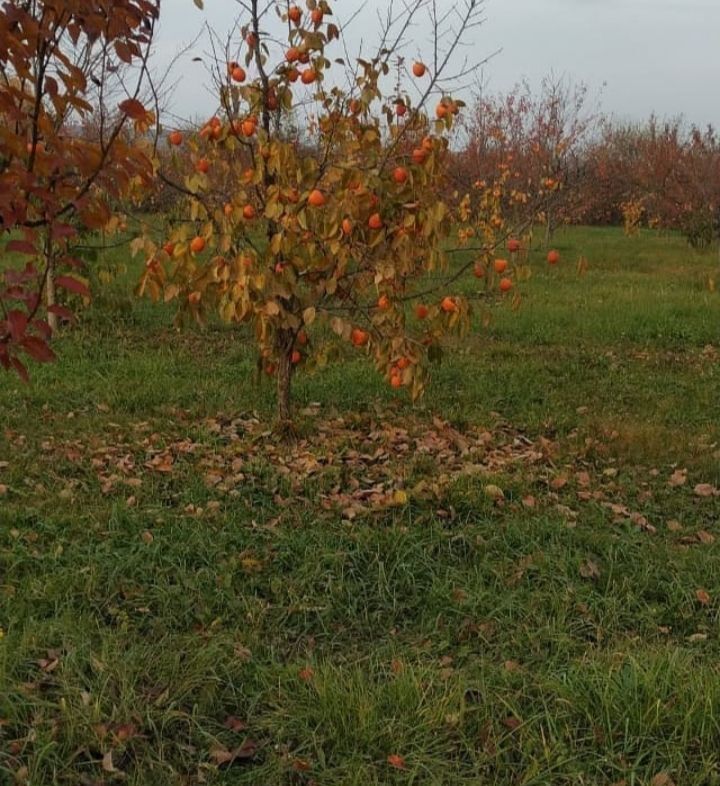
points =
(522, 589)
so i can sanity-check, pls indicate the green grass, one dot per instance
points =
(550, 640)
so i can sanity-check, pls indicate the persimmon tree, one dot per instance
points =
(66, 66)
(340, 222)
(539, 138)
(662, 173)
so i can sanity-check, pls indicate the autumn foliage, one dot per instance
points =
(339, 224)
(72, 75)
(325, 191)
(573, 164)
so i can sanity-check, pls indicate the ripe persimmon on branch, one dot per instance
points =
(340, 221)
(71, 81)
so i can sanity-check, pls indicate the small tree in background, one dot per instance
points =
(341, 223)
(538, 140)
(67, 65)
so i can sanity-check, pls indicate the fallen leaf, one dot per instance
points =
(306, 674)
(702, 596)
(242, 653)
(583, 479)
(705, 490)
(705, 537)
(486, 738)
(662, 779)
(234, 724)
(590, 570)
(125, 732)
(223, 756)
(107, 762)
(399, 497)
(678, 478)
(49, 664)
(396, 761)
(495, 493)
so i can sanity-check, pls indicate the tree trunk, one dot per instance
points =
(548, 229)
(284, 377)
(284, 410)
(50, 296)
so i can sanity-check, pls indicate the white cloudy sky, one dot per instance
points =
(641, 55)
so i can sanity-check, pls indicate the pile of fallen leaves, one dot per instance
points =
(352, 465)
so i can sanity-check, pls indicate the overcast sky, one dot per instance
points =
(640, 56)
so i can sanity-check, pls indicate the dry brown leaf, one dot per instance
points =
(662, 779)
(590, 570)
(234, 724)
(222, 756)
(486, 737)
(107, 762)
(705, 490)
(703, 597)
(125, 732)
(396, 761)
(705, 537)
(678, 478)
(49, 664)
(306, 674)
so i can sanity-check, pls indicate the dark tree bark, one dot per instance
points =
(285, 340)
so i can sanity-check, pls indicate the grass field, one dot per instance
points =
(516, 581)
